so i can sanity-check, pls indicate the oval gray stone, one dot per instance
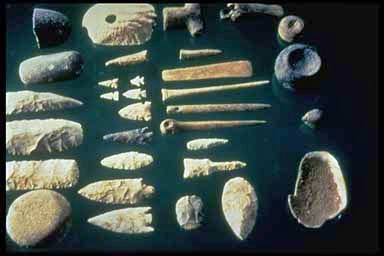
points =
(35, 215)
(320, 191)
(189, 212)
(51, 68)
(43, 135)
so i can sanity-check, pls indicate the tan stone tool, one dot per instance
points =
(174, 93)
(235, 10)
(188, 14)
(129, 59)
(172, 126)
(241, 68)
(190, 54)
(205, 167)
(206, 108)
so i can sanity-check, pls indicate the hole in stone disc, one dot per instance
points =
(297, 58)
(110, 18)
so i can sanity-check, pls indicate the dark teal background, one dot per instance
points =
(346, 39)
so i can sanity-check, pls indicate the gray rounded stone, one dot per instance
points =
(35, 215)
(296, 64)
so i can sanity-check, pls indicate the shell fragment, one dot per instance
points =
(239, 204)
(137, 111)
(29, 101)
(120, 24)
(205, 167)
(47, 174)
(47, 135)
(312, 117)
(127, 161)
(122, 191)
(205, 143)
(128, 220)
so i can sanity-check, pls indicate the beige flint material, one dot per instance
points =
(205, 143)
(239, 204)
(167, 94)
(127, 161)
(171, 126)
(118, 191)
(113, 83)
(242, 68)
(207, 108)
(47, 174)
(137, 111)
(130, 59)
(205, 167)
(128, 220)
(185, 54)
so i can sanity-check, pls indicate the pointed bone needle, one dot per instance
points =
(206, 108)
(172, 126)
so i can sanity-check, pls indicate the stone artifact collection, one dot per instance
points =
(320, 192)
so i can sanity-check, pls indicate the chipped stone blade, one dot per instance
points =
(320, 190)
(128, 220)
(205, 143)
(120, 24)
(30, 101)
(127, 161)
(137, 81)
(242, 68)
(135, 94)
(204, 167)
(119, 191)
(47, 174)
(135, 136)
(113, 83)
(50, 27)
(51, 68)
(110, 96)
(43, 135)
(130, 59)
(239, 204)
(137, 111)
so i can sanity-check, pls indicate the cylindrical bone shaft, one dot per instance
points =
(189, 54)
(172, 126)
(173, 93)
(128, 59)
(242, 68)
(206, 108)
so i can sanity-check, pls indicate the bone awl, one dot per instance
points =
(207, 108)
(172, 126)
(242, 68)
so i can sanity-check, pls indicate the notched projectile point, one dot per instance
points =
(127, 161)
(137, 81)
(239, 204)
(207, 108)
(30, 101)
(205, 143)
(50, 27)
(171, 126)
(128, 220)
(130, 59)
(185, 54)
(135, 94)
(119, 191)
(110, 96)
(35, 216)
(290, 27)
(312, 117)
(136, 136)
(320, 191)
(137, 111)
(241, 68)
(205, 167)
(189, 14)
(113, 83)
(296, 63)
(47, 174)
(24, 137)
(235, 10)
(175, 93)
(189, 212)
(120, 24)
